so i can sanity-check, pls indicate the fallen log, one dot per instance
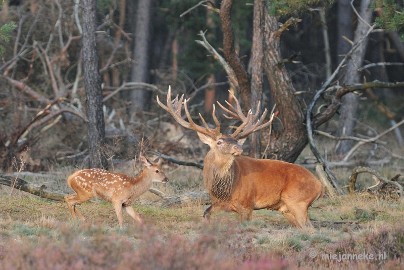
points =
(23, 185)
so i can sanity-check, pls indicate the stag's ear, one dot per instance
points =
(205, 139)
(241, 141)
(145, 161)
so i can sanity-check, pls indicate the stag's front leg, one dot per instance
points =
(245, 214)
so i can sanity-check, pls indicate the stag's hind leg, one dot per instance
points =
(300, 214)
(288, 215)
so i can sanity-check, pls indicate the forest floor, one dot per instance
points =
(351, 231)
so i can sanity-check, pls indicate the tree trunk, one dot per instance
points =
(289, 136)
(257, 54)
(92, 82)
(210, 91)
(344, 28)
(350, 102)
(231, 56)
(141, 98)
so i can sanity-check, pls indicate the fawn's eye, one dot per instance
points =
(219, 142)
(157, 171)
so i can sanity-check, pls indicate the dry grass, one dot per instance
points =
(39, 234)
(34, 231)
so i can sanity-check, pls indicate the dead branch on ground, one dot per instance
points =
(382, 181)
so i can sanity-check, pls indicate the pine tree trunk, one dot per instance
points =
(92, 82)
(140, 98)
(257, 52)
(289, 136)
(350, 102)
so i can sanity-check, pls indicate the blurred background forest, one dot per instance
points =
(146, 45)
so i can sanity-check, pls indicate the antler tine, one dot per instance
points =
(243, 125)
(238, 109)
(217, 123)
(258, 125)
(232, 114)
(250, 123)
(174, 107)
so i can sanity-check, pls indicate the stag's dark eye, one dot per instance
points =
(219, 142)
(157, 171)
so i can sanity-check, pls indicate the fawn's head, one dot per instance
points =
(153, 170)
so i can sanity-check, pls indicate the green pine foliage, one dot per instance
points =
(5, 35)
(390, 16)
(289, 7)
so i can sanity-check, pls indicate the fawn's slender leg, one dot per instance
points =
(133, 214)
(118, 211)
(72, 200)
(208, 212)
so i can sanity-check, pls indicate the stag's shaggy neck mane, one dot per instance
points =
(221, 178)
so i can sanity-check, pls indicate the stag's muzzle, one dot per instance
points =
(237, 150)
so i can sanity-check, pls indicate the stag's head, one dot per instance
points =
(226, 144)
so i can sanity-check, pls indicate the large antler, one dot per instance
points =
(174, 107)
(250, 122)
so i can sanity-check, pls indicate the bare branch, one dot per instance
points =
(27, 90)
(380, 64)
(194, 7)
(370, 140)
(76, 16)
(352, 138)
(229, 71)
(180, 162)
(131, 86)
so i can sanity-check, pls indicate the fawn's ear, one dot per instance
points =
(145, 161)
(158, 161)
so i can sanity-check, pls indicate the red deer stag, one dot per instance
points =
(242, 184)
(117, 188)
